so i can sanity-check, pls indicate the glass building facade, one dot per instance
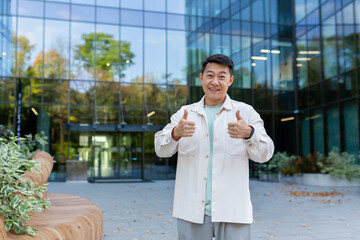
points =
(100, 77)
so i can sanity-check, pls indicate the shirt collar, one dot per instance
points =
(199, 106)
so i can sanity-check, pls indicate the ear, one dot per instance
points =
(201, 76)
(231, 80)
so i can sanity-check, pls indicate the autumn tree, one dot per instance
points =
(55, 65)
(23, 55)
(102, 53)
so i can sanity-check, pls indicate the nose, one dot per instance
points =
(215, 81)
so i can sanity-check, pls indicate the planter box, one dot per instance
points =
(318, 179)
(76, 171)
(269, 177)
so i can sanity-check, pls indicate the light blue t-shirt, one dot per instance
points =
(210, 114)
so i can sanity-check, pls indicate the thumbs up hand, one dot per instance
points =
(239, 129)
(185, 128)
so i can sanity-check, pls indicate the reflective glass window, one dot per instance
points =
(29, 47)
(347, 84)
(312, 56)
(318, 130)
(311, 5)
(132, 103)
(258, 29)
(88, 2)
(110, 61)
(350, 117)
(245, 13)
(154, 19)
(258, 10)
(57, 10)
(263, 99)
(176, 21)
(348, 13)
(56, 91)
(327, 9)
(315, 98)
(178, 6)
(235, 27)
(282, 58)
(82, 51)
(107, 15)
(82, 92)
(56, 56)
(333, 127)
(274, 11)
(157, 102)
(305, 134)
(357, 11)
(178, 96)
(54, 122)
(82, 13)
(31, 119)
(31, 90)
(176, 57)
(7, 90)
(7, 114)
(30, 8)
(107, 94)
(133, 70)
(329, 48)
(132, 4)
(109, 3)
(313, 18)
(299, 10)
(245, 28)
(331, 89)
(155, 58)
(154, 5)
(8, 46)
(130, 17)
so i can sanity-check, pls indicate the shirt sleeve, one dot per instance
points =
(259, 146)
(165, 145)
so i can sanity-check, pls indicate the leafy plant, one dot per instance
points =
(309, 164)
(18, 197)
(285, 163)
(340, 165)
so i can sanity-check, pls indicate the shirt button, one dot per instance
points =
(207, 156)
(203, 201)
(207, 135)
(204, 178)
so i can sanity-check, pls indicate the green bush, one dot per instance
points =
(340, 165)
(19, 197)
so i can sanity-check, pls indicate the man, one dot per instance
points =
(214, 138)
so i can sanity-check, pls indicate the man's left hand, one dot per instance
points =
(239, 129)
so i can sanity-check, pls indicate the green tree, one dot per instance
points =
(23, 55)
(100, 51)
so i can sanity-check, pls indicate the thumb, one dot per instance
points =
(185, 114)
(238, 117)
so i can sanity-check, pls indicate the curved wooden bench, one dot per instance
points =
(69, 217)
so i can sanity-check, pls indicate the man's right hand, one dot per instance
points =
(185, 128)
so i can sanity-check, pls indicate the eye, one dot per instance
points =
(209, 76)
(221, 77)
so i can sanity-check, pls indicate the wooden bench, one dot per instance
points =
(69, 217)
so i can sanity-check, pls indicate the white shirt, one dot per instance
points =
(230, 176)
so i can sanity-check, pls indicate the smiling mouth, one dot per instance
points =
(214, 90)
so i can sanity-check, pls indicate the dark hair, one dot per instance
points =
(219, 59)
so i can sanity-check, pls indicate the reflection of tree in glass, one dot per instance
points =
(108, 56)
(55, 65)
(23, 55)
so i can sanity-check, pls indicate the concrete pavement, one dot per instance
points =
(142, 211)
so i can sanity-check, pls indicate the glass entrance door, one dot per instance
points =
(116, 156)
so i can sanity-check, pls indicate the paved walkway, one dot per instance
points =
(142, 211)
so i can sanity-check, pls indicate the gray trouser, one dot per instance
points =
(208, 230)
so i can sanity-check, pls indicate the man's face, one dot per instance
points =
(215, 82)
